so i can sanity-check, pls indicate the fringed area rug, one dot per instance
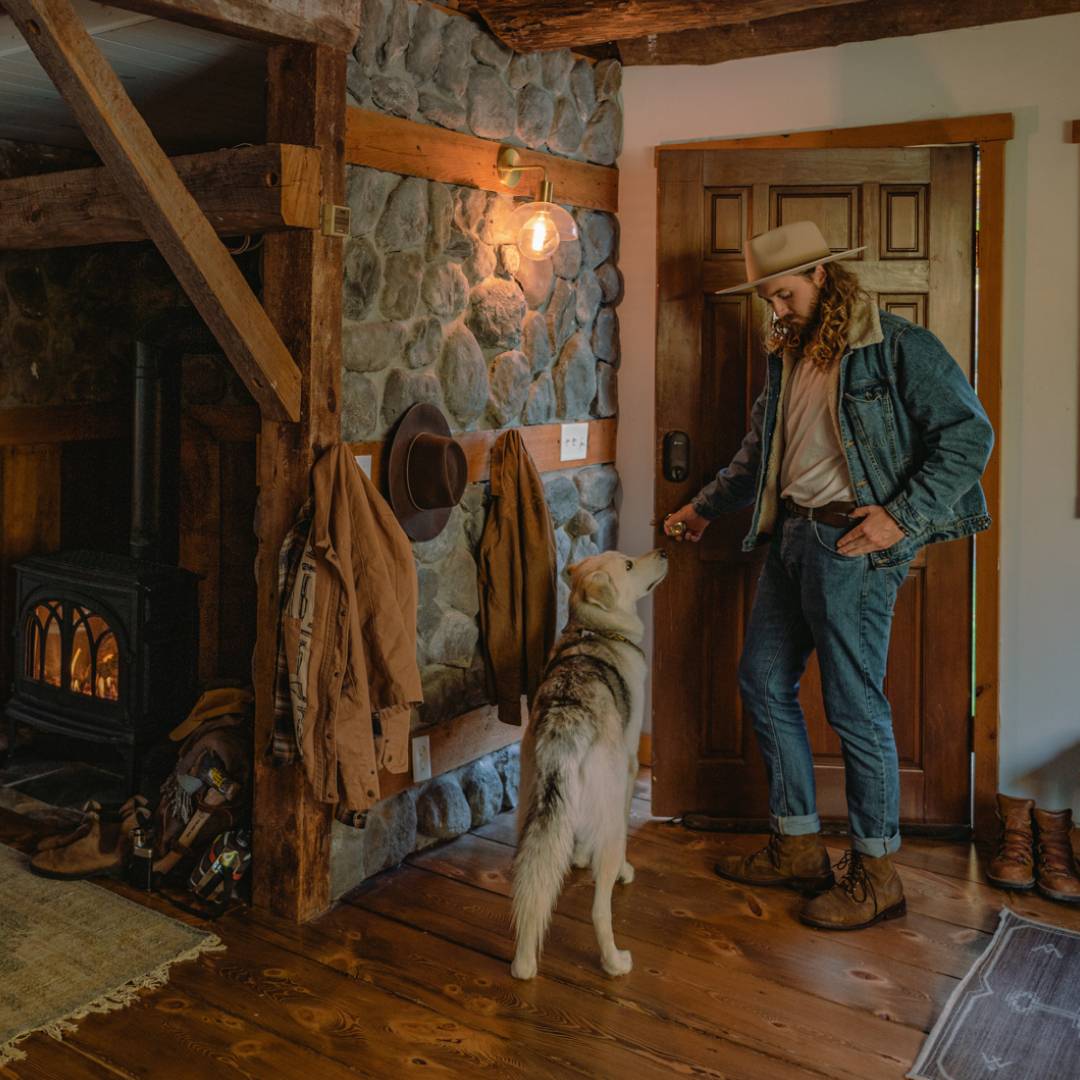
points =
(69, 949)
(1016, 1014)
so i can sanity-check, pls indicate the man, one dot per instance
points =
(866, 443)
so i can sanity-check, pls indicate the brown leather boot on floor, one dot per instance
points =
(799, 862)
(91, 811)
(1013, 864)
(1055, 867)
(102, 851)
(869, 890)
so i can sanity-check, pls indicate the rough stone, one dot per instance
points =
(607, 77)
(541, 406)
(582, 547)
(405, 388)
(509, 260)
(357, 82)
(583, 88)
(562, 548)
(373, 27)
(425, 343)
(525, 69)
(367, 191)
(575, 378)
(536, 342)
(470, 206)
(398, 813)
(607, 533)
(359, 407)
(602, 139)
(507, 763)
(535, 114)
(445, 289)
(555, 64)
(562, 605)
(489, 50)
(464, 375)
(460, 245)
(483, 788)
(452, 74)
(495, 227)
(457, 583)
(444, 691)
(395, 95)
(404, 222)
(596, 486)
(560, 314)
(611, 282)
(432, 552)
(496, 311)
(454, 641)
(347, 866)
(597, 231)
(473, 505)
(363, 278)
(372, 346)
(398, 32)
(440, 218)
(509, 379)
(401, 284)
(562, 497)
(587, 301)
(442, 810)
(566, 262)
(536, 278)
(480, 265)
(581, 524)
(441, 110)
(605, 336)
(490, 105)
(566, 129)
(425, 48)
(607, 392)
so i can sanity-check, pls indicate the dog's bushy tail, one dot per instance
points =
(546, 840)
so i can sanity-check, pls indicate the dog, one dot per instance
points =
(579, 754)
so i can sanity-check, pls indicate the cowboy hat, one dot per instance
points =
(426, 472)
(789, 249)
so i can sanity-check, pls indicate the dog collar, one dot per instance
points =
(611, 635)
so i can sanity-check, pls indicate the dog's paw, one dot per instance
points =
(523, 968)
(619, 963)
(580, 859)
(626, 874)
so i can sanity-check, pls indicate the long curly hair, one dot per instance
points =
(825, 339)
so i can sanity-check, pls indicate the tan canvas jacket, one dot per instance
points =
(349, 636)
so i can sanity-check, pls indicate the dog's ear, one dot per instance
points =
(599, 589)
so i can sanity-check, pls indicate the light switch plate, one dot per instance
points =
(421, 758)
(574, 445)
(364, 461)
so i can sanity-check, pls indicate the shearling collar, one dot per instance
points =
(865, 328)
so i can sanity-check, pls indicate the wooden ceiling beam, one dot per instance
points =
(247, 190)
(334, 23)
(527, 25)
(864, 20)
(170, 215)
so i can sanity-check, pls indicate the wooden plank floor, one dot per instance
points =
(410, 975)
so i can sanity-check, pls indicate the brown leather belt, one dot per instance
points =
(834, 513)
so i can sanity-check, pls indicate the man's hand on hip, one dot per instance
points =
(876, 532)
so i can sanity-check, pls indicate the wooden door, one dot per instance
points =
(913, 208)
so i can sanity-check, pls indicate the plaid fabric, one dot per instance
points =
(284, 744)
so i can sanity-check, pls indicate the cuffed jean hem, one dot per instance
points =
(797, 826)
(876, 846)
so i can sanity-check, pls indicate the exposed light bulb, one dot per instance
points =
(538, 237)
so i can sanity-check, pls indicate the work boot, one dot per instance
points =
(869, 890)
(100, 852)
(1055, 867)
(799, 862)
(1013, 864)
(92, 810)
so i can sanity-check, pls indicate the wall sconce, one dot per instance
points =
(537, 227)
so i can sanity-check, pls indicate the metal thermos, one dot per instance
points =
(141, 866)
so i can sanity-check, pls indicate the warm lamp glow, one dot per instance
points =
(537, 227)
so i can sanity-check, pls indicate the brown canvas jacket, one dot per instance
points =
(349, 634)
(517, 578)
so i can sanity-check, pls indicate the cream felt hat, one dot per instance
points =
(789, 249)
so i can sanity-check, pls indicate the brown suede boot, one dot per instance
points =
(1055, 866)
(869, 890)
(101, 852)
(799, 862)
(1013, 865)
(92, 811)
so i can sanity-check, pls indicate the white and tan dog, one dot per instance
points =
(579, 754)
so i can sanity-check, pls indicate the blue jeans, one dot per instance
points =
(810, 597)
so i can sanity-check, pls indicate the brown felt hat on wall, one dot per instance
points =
(426, 472)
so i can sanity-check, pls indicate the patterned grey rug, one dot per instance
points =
(1016, 1014)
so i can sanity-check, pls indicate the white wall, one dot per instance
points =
(1030, 69)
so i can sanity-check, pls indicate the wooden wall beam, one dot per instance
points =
(170, 215)
(333, 23)
(412, 149)
(246, 190)
(302, 274)
(866, 20)
(529, 25)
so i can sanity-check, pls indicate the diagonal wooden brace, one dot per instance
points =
(170, 215)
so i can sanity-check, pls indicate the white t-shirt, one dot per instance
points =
(813, 470)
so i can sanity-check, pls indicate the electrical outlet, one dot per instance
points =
(574, 445)
(421, 758)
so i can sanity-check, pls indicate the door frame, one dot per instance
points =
(990, 134)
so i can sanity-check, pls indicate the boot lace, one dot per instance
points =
(853, 878)
(1015, 846)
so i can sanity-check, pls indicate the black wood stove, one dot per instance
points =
(106, 645)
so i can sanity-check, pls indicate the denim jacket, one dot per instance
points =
(914, 433)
